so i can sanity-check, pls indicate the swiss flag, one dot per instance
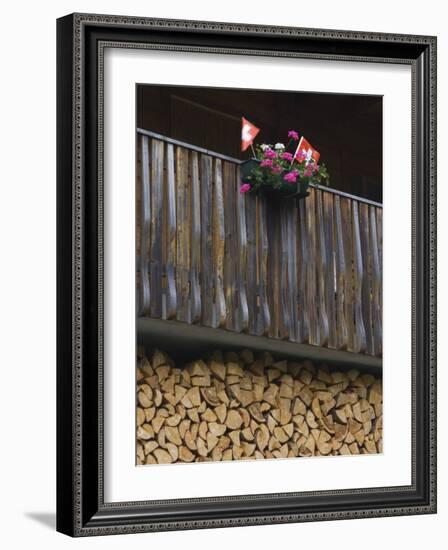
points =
(305, 152)
(248, 133)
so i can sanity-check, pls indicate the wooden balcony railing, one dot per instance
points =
(308, 271)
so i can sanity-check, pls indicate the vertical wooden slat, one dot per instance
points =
(231, 251)
(218, 246)
(291, 216)
(330, 272)
(284, 322)
(145, 218)
(195, 290)
(157, 152)
(347, 236)
(359, 274)
(272, 222)
(322, 268)
(171, 296)
(265, 317)
(303, 255)
(283, 304)
(206, 241)
(366, 293)
(379, 232)
(183, 235)
(311, 288)
(241, 264)
(376, 284)
(251, 272)
(341, 271)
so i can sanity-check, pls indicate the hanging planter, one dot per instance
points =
(270, 186)
(276, 172)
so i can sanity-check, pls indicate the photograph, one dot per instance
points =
(258, 274)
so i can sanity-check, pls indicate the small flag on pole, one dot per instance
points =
(248, 133)
(305, 152)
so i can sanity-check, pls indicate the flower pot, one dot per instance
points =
(281, 188)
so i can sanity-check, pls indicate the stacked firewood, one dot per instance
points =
(233, 406)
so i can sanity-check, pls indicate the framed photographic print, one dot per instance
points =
(246, 274)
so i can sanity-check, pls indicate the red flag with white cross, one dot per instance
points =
(305, 152)
(248, 133)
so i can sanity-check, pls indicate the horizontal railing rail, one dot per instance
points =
(307, 271)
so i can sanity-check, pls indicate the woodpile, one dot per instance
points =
(235, 406)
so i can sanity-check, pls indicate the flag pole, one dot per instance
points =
(253, 150)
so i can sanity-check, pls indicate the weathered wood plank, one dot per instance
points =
(274, 300)
(231, 250)
(303, 259)
(241, 264)
(379, 231)
(145, 217)
(322, 268)
(218, 246)
(311, 287)
(183, 235)
(195, 302)
(341, 285)
(265, 318)
(251, 271)
(376, 281)
(171, 295)
(284, 304)
(359, 274)
(347, 236)
(157, 156)
(330, 272)
(292, 222)
(366, 293)
(206, 241)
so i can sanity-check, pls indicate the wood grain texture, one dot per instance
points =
(231, 245)
(265, 317)
(376, 282)
(311, 286)
(145, 217)
(341, 275)
(359, 274)
(218, 246)
(241, 264)
(183, 235)
(347, 238)
(157, 156)
(366, 294)
(322, 269)
(195, 263)
(303, 255)
(291, 242)
(206, 241)
(284, 305)
(251, 270)
(171, 294)
(330, 272)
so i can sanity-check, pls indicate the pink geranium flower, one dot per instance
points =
(291, 177)
(276, 169)
(293, 135)
(287, 156)
(245, 188)
(266, 162)
(270, 154)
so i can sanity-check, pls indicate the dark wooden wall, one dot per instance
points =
(345, 129)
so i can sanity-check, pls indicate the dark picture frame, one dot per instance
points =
(81, 509)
